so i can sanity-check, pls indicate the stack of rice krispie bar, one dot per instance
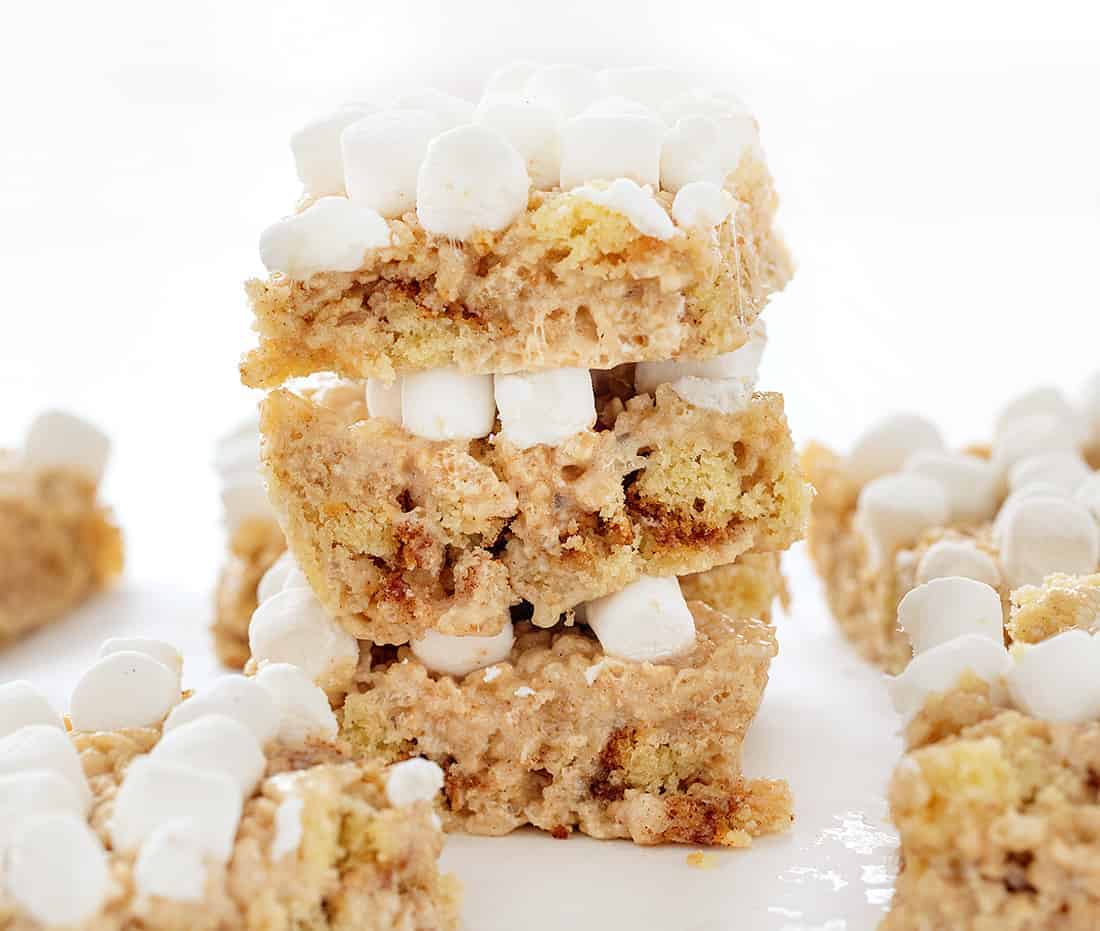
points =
(536, 322)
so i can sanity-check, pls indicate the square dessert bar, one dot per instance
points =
(237, 810)
(58, 543)
(399, 535)
(997, 799)
(901, 510)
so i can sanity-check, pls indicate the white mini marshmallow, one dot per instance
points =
(57, 869)
(940, 668)
(887, 445)
(316, 148)
(969, 482)
(472, 178)
(31, 792)
(22, 704)
(566, 89)
(724, 395)
(449, 110)
(445, 404)
(738, 134)
(332, 235)
(544, 407)
(293, 627)
(1044, 401)
(126, 689)
(743, 364)
(275, 579)
(603, 148)
(1063, 468)
(944, 609)
(701, 204)
(457, 656)
(1056, 679)
(691, 152)
(532, 129)
(1037, 434)
(895, 510)
(617, 106)
(511, 78)
(171, 863)
(649, 85)
(384, 400)
(946, 558)
(647, 621)
(56, 439)
(1088, 495)
(304, 712)
(636, 203)
(155, 791)
(215, 743)
(160, 650)
(244, 498)
(415, 780)
(1026, 493)
(382, 154)
(239, 449)
(234, 696)
(1046, 535)
(288, 828)
(44, 746)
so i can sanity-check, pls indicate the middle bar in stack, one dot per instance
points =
(559, 420)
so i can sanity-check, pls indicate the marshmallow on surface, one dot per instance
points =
(279, 575)
(125, 689)
(382, 154)
(384, 400)
(1035, 434)
(737, 131)
(532, 129)
(1056, 679)
(635, 203)
(28, 792)
(449, 110)
(160, 650)
(45, 747)
(895, 510)
(544, 407)
(472, 178)
(566, 89)
(511, 78)
(1041, 536)
(943, 609)
(970, 483)
(1046, 401)
(724, 395)
(316, 149)
(234, 696)
(171, 863)
(458, 656)
(59, 440)
(333, 234)
(215, 743)
(963, 558)
(604, 147)
(415, 780)
(742, 364)
(303, 708)
(701, 204)
(1063, 468)
(648, 84)
(939, 669)
(887, 445)
(647, 621)
(692, 152)
(22, 704)
(444, 404)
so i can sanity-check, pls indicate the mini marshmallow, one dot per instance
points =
(288, 828)
(293, 627)
(234, 696)
(59, 440)
(946, 558)
(43, 746)
(617, 106)
(444, 404)
(239, 449)
(532, 129)
(1056, 679)
(1033, 435)
(22, 704)
(943, 609)
(566, 89)
(161, 651)
(126, 689)
(171, 863)
(472, 178)
(1026, 493)
(449, 110)
(510, 78)
(737, 131)
(384, 400)
(1044, 401)
(544, 407)
(275, 579)
(316, 148)
(244, 498)
(304, 712)
(940, 668)
(215, 743)
(648, 85)
(724, 395)
(157, 791)
(969, 482)
(333, 234)
(702, 205)
(647, 621)
(457, 656)
(415, 780)
(1088, 495)
(895, 510)
(57, 869)
(743, 364)
(1046, 535)
(382, 154)
(887, 445)
(33, 792)
(691, 152)
(610, 146)
(636, 203)
(1063, 469)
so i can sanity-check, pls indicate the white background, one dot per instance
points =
(939, 166)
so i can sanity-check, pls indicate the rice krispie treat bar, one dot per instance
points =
(58, 544)
(996, 800)
(235, 808)
(900, 510)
